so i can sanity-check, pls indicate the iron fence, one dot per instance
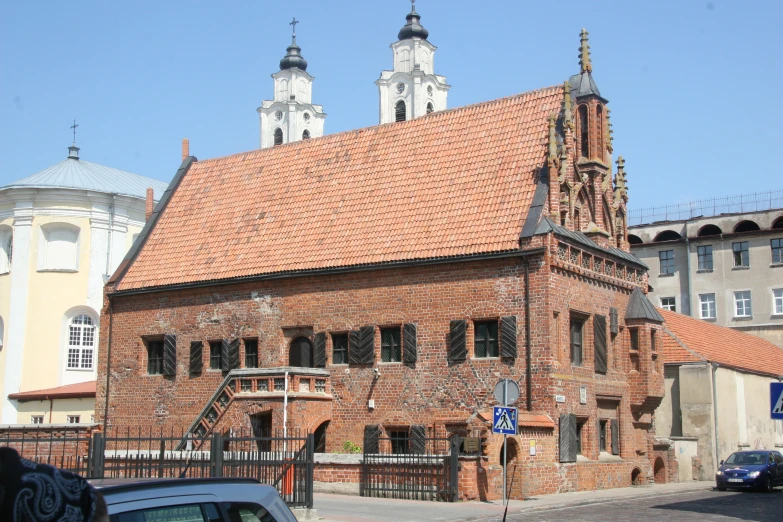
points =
(428, 471)
(284, 461)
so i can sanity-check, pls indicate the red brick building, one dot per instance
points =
(396, 273)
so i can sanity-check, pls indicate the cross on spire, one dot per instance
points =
(74, 131)
(293, 24)
(413, 6)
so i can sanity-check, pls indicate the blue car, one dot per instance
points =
(757, 469)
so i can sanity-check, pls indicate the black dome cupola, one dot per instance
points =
(413, 29)
(293, 58)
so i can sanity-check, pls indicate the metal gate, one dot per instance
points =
(396, 469)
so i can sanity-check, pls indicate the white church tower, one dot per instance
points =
(291, 116)
(412, 89)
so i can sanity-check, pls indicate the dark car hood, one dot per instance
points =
(743, 467)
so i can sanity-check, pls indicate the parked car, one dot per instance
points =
(759, 469)
(192, 500)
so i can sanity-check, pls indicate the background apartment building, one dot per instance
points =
(719, 260)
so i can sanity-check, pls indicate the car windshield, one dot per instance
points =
(747, 459)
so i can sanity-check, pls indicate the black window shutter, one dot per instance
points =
(169, 355)
(366, 344)
(409, 349)
(508, 337)
(196, 354)
(233, 354)
(371, 434)
(225, 354)
(418, 439)
(457, 332)
(353, 347)
(319, 350)
(599, 342)
(567, 437)
(615, 437)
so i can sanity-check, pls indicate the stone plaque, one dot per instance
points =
(471, 444)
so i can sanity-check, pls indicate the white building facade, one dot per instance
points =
(63, 231)
(291, 116)
(411, 89)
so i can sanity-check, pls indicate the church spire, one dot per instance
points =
(293, 58)
(413, 27)
(584, 54)
(73, 150)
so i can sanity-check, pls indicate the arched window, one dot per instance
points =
(634, 239)
(430, 108)
(399, 111)
(306, 135)
(584, 125)
(6, 249)
(667, 235)
(778, 223)
(709, 230)
(278, 136)
(81, 343)
(600, 138)
(58, 248)
(746, 226)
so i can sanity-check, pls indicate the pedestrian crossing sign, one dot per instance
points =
(776, 400)
(504, 420)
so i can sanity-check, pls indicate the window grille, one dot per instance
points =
(399, 111)
(155, 357)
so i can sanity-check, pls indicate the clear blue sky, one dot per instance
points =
(693, 85)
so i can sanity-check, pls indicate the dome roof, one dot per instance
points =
(413, 29)
(77, 174)
(293, 58)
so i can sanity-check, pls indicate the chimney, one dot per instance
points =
(185, 148)
(150, 195)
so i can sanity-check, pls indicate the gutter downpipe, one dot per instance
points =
(108, 369)
(688, 257)
(111, 225)
(715, 409)
(285, 415)
(528, 349)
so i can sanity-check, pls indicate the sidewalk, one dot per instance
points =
(345, 508)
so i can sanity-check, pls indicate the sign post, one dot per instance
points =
(504, 418)
(776, 400)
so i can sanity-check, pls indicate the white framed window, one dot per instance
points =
(777, 301)
(707, 305)
(36, 419)
(81, 343)
(58, 248)
(669, 303)
(6, 249)
(74, 419)
(742, 306)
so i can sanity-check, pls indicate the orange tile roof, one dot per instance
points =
(449, 184)
(69, 391)
(690, 340)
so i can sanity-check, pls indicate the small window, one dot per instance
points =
(278, 136)
(215, 355)
(669, 303)
(741, 253)
(74, 419)
(36, 419)
(653, 347)
(666, 258)
(400, 442)
(81, 343)
(707, 305)
(155, 357)
(390, 345)
(705, 257)
(6, 249)
(634, 333)
(400, 113)
(251, 353)
(339, 348)
(246, 385)
(584, 125)
(742, 304)
(430, 108)
(485, 339)
(777, 301)
(306, 135)
(577, 329)
(579, 430)
(602, 436)
(777, 251)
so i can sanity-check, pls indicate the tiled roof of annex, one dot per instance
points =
(449, 184)
(692, 340)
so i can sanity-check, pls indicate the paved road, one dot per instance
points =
(694, 502)
(693, 506)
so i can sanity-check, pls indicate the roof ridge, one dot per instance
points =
(419, 119)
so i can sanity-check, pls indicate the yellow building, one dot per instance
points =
(62, 232)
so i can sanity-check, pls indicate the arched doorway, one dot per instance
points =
(636, 477)
(320, 437)
(301, 353)
(660, 471)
